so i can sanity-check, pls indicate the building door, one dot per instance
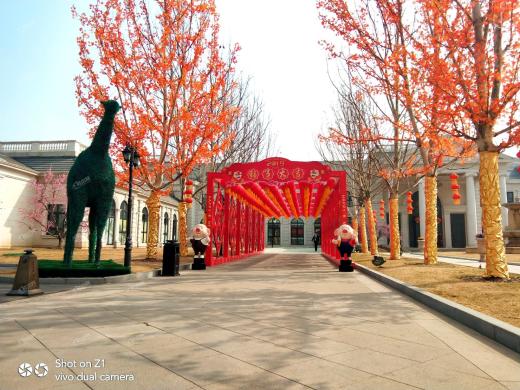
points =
(109, 228)
(458, 230)
(273, 232)
(297, 232)
(414, 226)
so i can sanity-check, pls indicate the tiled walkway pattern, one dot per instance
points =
(286, 321)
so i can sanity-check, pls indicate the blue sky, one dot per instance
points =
(279, 50)
(39, 60)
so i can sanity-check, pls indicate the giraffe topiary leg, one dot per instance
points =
(92, 237)
(75, 211)
(101, 220)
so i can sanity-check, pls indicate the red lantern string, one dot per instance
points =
(455, 188)
(409, 202)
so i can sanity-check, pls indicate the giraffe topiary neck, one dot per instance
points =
(101, 142)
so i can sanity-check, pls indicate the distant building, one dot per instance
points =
(23, 162)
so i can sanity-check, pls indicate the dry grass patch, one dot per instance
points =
(464, 285)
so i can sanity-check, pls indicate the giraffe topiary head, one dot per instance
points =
(111, 106)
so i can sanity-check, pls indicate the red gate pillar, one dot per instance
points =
(237, 232)
(209, 217)
(226, 226)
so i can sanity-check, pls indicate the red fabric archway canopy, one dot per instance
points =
(243, 195)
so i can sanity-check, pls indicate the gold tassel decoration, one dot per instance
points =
(363, 230)
(183, 229)
(430, 237)
(496, 264)
(395, 244)
(371, 227)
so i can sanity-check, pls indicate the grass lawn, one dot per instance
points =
(464, 285)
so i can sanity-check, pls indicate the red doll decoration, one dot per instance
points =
(346, 240)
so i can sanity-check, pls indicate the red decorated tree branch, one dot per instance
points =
(165, 66)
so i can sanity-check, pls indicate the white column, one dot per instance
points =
(116, 226)
(503, 199)
(471, 211)
(422, 209)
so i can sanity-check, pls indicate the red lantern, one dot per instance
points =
(187, 195)
(382, 209)
(409, 202)
(455, 188)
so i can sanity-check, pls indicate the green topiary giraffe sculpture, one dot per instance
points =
(90, 183)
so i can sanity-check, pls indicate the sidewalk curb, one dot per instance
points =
(102, 280)
(499, 331)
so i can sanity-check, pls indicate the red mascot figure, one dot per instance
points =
(346, 240)
(200, 239)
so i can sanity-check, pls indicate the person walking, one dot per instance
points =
(316, 240)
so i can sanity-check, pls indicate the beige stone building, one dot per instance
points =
(23, 162)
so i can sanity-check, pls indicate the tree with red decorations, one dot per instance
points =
(385, 63)
(164, 65)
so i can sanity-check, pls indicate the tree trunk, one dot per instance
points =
(154, 206)
(183, 229)
(355, 225)
(430, 236)
(362, 230)
(371, 227)
(395, 237)
(496, 264)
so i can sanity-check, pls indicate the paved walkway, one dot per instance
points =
(275, 321)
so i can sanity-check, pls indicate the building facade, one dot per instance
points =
(22, 163)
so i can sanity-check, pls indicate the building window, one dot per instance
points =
(317, 226)
(166, 229)
(350, 201)
(510, 197)
(109, 228)
(297, 231)
(55, 219)
(123, 217)
(174, 227)
(273, 232)
(144, 225)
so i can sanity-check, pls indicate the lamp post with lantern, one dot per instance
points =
(131, 157)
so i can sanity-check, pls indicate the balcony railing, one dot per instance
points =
(41, 147)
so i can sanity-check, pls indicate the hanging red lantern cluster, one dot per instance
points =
(409, 202)
(455, 188)
(382, 209)
(187, 195)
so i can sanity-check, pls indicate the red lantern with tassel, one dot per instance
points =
(455, 188)
(188, 192)
(409, 202)
(382, 209)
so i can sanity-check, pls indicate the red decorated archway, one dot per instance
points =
(243, 195)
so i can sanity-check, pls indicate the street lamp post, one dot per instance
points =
(131, 157)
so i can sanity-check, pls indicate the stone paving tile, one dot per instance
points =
(379, 383)
(371, 361)
(511, 385)
(320, 374)
(428, 376)
(477, 349)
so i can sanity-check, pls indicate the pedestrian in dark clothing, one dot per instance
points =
(316, 240)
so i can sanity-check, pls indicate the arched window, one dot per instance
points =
(174, 228)
(166, 227)
(297, 231)
(109, 227)
(144, 225)
(273, 232)
(317, 225)
(123, 217)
